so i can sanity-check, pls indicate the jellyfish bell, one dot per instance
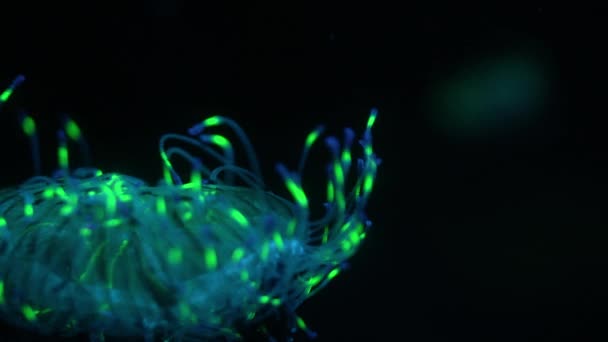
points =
(86, 251)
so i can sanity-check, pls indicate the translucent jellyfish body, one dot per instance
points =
(85, 251)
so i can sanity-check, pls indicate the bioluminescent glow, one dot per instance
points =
(202, 256)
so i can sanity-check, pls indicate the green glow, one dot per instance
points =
(312, 137)
(118, 187)
(301, 323)
(48, 193)
(359, 229)
(238, 217)
(186, 211)
(210, 258)
(62, 157)
(297, 192)
(125, 197)
(278, 240)
(264, 299)
(212, 121)
(165, 159)
(1, 292)
(333, 273)
(29, 126)
(291, 227)
(161, 205)
(368, 183)
(325, 235)
(346, 245)
(66, 210)
(265, 251)
(167, 174)
(111, 223)
(314, 280)
(354, 237)
(339, 173)
(72, 130)
(110, 201)
(85, 232)
(6, 94)
(186, 313)
(184, 310)
(175, 256)
(330, 191)
(60, 192)
(28, 210)
(340, 201)
(187, 216)
(29, 313)
(196, 178)
(220, 141)
(111, 193)
(346, 157)
(238, 254)
(372, 118)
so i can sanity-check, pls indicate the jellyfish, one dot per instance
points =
(200, 256)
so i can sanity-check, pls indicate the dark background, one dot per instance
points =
(489, 210)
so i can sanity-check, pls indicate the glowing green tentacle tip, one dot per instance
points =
(297, 192)
(28, 210)
(28, 125)
(238, 254)
(372, 118)
(72, 130)
(62, 157)
(220, 141)
(301, 324)
(210, 258)
(6, 94)
(312, 137)
(368, 183)
(239, 217)
(333, 273)
(212, 121)
(29, 313)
